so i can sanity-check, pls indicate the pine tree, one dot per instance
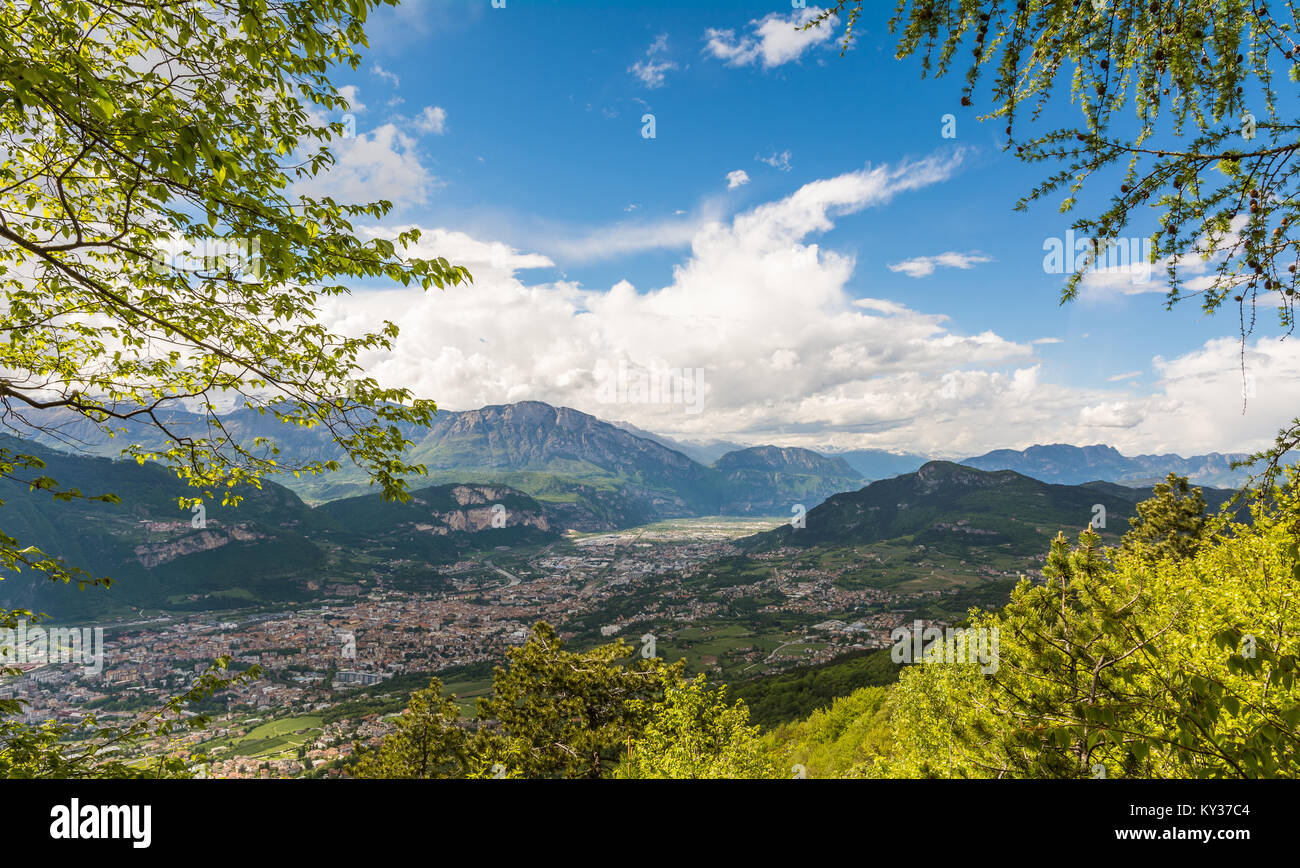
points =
(429, 741)
(1172, 524)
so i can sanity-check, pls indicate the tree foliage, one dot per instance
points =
(1124, 666)
(569, 714)
(133, 129)
(1171, 524)
(133, 132)
(597, 713)
(835, 741)
(428, 743)
(693, 732)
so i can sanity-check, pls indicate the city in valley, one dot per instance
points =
(334, 673)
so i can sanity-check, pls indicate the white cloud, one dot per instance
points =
(652, 72)
(880, 305)
(478, 256)
(1125, 268)
(788, 355)
(349, 92)
(1127, 375)
(1200, 403)
(621, 239)
(772, 40)
(1111, 414)
(432, 120)
(1209, 403)
(923, 266)
(738, 178)
(779, 161)
(382, 163)
(390, 77)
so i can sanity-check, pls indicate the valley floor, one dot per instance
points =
(334, 671)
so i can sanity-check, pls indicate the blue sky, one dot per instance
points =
(521, 127)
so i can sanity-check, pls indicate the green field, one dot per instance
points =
(275, 739)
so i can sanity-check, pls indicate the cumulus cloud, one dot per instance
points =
(349, 92)
(784, 351)
(772, 40)
(1209, 402)
(1111, 414)
(432, 120)
(382, 163)
(923, 266)
(1201, 402)
(738, 178)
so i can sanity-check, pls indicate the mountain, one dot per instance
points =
(435, 527)
(146, 543)
(770, 480)
(953, 508)
(1072, 465)
(703, 451)
(595, 475)
(880, 464)
(557, 451)
(272, 548)
(600, 475)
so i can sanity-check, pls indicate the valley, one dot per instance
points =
(444, 392)
(727, 594)
(347, 605)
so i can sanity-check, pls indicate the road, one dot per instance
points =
(768, 658)
(513, 579)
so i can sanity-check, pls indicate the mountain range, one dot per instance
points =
(600, 475)
(275, 547)
(956, 509)
(597, 475)
(607, 475)
(1072, 465)
(269, 549)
